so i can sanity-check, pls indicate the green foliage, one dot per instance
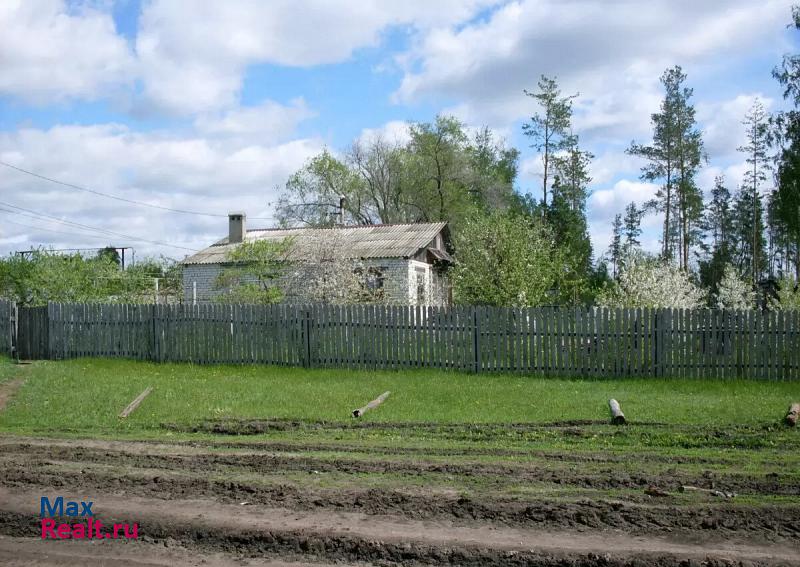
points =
(46, 276)
(252, 272)
(549, 129)
(633, 226)
(440, 173)
(674, 157)
(506, 259)
(615, 249)
(749, 252)
(788, 294)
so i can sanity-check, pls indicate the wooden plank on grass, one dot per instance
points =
(135, 403)
(372, 405)
(617, 417)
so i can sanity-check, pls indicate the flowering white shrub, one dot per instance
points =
(734, 292)
(647, 282)
(319, 274)
(789, 294)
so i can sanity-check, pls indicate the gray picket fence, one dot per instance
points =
(593, 342)
(6, 327)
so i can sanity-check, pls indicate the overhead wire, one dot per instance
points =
(39, 216)
(117, 197)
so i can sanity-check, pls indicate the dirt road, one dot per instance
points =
(240, 504)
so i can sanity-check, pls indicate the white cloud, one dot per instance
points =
(612, 52)
(267, 122)
(723, 131)
(49, 53)
(193, 60)
(192, 172)
(394, 131)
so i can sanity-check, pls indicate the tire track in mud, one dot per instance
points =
(603, 479)
(335, 447)
(347, 536)
(768, 522)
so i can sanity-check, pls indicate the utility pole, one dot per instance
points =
(342, 200)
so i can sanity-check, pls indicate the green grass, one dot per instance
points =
(84, 397)
(7, 369)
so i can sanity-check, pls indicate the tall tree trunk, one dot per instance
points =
(667, 209)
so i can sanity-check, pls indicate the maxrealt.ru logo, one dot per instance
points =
(88, 529)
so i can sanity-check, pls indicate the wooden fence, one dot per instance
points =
(6, 327)
(594, 342)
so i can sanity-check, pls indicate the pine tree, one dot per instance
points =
(550, 129)
(756, 124)
(615, 250)
(632, 226)
(748, 219)
(674, 156)
(718, 225)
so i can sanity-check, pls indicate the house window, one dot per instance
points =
(374, 279)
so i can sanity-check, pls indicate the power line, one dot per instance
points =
(93, 228)
(118, 198)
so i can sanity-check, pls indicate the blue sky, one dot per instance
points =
(209, 106)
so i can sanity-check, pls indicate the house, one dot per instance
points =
(404, 263)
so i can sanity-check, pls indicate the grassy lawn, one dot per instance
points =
(85, 396)
(7, 369)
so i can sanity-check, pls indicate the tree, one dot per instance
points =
(111, 253)
(493, 170)
(718, 225)
(785, 203)
(572, 168)
(312, 194)
(733, 292)
(320, 274)
(438, 165)
(756, 127)
(45, 275)
(649, 282)
(615, 250)
(441, 173)
(747, 220)
(788, 294)
(253, 272)
(506, 260)
(549, 129)
(674, 156)
(632, 227)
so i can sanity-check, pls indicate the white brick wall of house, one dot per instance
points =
(405, 282)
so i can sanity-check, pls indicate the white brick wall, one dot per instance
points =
(399, 277)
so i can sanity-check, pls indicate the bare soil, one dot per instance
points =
(228, 503)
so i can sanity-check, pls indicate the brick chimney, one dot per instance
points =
(236, 227)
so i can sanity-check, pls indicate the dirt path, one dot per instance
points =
(353, 536)
(8, 389)
(28, 552)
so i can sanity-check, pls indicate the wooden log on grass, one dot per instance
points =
(793, 415)
(135, 403)
(617, 417)
(373, 404)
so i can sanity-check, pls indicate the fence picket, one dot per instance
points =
(593, 342)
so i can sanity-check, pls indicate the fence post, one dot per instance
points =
(658, 342)
(306, 322)
(476, 344)
(153, 334)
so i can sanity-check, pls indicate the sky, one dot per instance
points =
(207, 107)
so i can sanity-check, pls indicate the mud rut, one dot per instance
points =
(409, 518)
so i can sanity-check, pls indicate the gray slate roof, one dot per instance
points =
(363, 241)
